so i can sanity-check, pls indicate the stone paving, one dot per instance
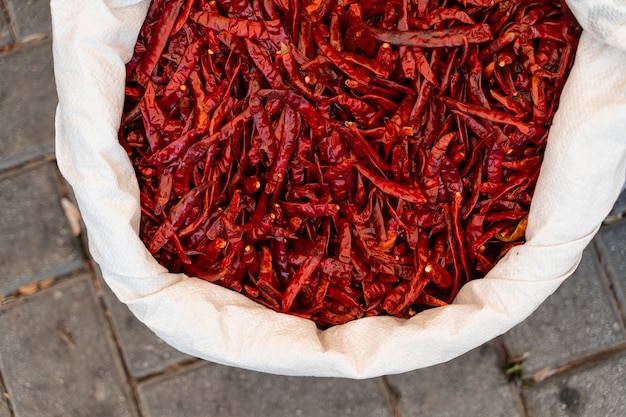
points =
(69, 348)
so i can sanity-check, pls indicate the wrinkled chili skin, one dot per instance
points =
(349, 160)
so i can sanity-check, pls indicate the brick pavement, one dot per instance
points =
(68, 347)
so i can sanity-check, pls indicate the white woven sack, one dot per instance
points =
(580, 180)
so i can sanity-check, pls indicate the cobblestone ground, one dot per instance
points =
(69, 348)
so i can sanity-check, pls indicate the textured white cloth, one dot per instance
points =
(606, 19)
(580, 179)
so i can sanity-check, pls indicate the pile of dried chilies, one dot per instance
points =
(341, 159)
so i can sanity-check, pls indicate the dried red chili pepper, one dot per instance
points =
(159, 39)
(457, 36)
(248, 29)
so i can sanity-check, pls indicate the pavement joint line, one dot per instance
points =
(132, 382)
(35, 37)
(171, 369)
(8, 299)
(574, 364)
(44, 152)
(393, 395)
(508, 360)
(5, 394)
(5, 11)
(26, 165)
(599, 246)
(605, 273)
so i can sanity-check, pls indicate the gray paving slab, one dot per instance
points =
(57, 356)
(207, 390)
(612, 245)
(35, 238)
(143, 351)
(578, 319)
(30, 17)
(470, 385)
(593, 391)
(5, 33)
(27, 103)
